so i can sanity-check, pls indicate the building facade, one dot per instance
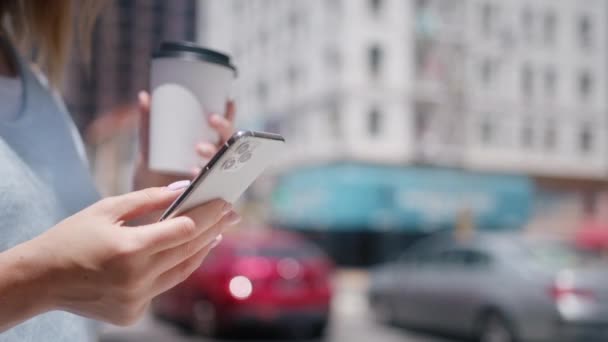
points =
(537, 87)
(516, 86)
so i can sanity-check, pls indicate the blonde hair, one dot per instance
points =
(42, 30)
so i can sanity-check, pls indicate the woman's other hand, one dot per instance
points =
(144, 177)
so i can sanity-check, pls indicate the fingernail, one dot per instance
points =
(204, 148)
(178, 185)
(227, 208)
(217, 241)
(233, 218)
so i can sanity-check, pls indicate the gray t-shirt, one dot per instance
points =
(10, 94)
(43, 179)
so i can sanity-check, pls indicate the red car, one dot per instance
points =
(254, 278)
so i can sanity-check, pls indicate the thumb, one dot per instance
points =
(129, 206)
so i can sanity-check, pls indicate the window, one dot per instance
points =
(487, 72)
(550, 138)
(527, 134)
(262, 92)
(423, 57)
(332, 58)
(585, 85)
(549, 28)
(486, 132)
(263, 38)
(470, 259)
(375, 6)
(486, 18)
(375, 60)
(476, 259)
(333, 5)
(335, 124)
(422, 4)
(527, 81)
(374, 122)
(550, 82)
(422, 118)
(585, 31)
(527, 23)
(293, 20)
(586, 139)
(237, 6)
(292, 76)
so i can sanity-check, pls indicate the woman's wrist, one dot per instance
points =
(26, 288)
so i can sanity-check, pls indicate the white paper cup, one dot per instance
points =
(188, 83)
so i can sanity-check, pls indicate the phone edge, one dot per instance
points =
(211, 163)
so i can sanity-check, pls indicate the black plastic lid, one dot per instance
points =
(189, 50)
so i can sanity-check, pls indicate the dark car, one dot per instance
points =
(253, 279)
(497, 287)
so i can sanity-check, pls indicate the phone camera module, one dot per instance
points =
(228, 164)
(245, 157)
(243, 148)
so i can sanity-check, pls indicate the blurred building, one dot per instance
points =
(508, 98)
(534, 99)
(102, 95)
(487, 85)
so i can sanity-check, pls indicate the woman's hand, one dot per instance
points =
(92, 264)
(144, 177)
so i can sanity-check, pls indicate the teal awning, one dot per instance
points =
(352, 196)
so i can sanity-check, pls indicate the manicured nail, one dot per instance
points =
(227, 208)
(217, 241)
(178, 185)
(233, 218)
(205, 149)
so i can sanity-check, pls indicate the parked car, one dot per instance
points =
(496, 288)
(254, 278)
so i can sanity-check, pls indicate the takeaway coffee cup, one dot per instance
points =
(188, 83)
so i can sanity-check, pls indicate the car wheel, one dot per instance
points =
(318, 330)
(204, 318)
(384, 312)
(495, 328)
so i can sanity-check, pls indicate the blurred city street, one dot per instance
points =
(319, 170)
(351, 321)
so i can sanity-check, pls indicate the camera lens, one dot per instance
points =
(243, 148)
(245, 157)
(228, 164)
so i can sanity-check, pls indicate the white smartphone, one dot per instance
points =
(231, 171)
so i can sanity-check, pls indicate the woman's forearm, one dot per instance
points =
(24, 288)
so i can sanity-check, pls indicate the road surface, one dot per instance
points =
(351, 321)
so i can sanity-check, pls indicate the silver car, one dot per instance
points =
(496, 288)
